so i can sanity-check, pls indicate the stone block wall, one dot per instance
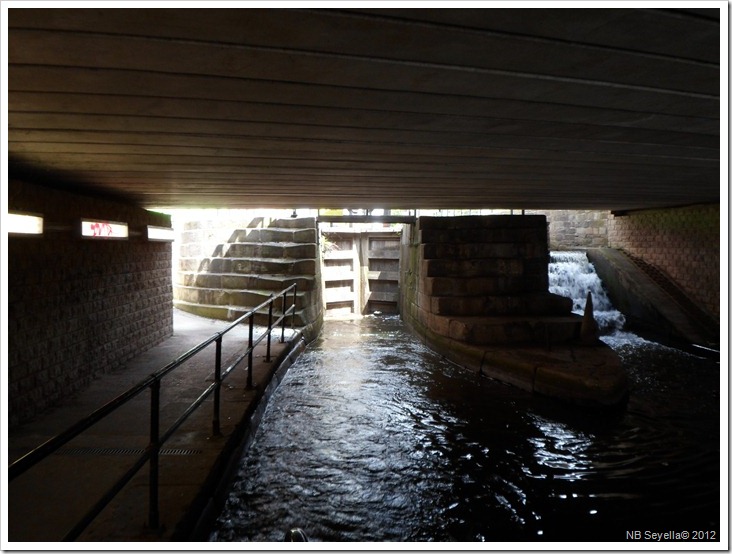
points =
(683, 243)
(479, 279)
(79, 307)
(571, 229)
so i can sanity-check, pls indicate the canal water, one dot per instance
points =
(371, 436)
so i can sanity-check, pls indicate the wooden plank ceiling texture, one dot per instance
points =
(401, 108)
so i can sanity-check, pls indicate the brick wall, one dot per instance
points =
(681, 242)
(79, 307)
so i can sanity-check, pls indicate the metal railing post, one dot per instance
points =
(154, 514)
(269, 329)
(250, 385)
(217, 390)
(284, 312)
(294, 301)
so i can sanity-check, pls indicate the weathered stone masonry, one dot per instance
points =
(79, 307)
(475, 289)
(571, 229)
(482, 280)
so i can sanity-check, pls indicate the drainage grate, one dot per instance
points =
(89, 451)
(180, 451)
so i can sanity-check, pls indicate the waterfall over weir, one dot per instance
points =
(572, 275)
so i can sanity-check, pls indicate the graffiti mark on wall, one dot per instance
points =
(103, 229)
(100, 229)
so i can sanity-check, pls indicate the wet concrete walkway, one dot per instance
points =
(45, 502)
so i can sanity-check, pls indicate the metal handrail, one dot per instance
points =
(157, 439)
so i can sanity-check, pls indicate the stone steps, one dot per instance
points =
(246, 266)
(233, 277)
(300, 236)
(283, 250)
(303, 316)
(291, 223)
(255, 281)
(246, 298)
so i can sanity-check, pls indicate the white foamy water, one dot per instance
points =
(572, 275)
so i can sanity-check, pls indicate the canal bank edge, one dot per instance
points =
(585, 375)
(198, 522)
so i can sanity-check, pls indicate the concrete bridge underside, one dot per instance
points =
(115, 111)
(613, 108)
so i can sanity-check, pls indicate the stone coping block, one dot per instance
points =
(473, 268)
(482, 222)
(475, 286)
(519, 235)
(475, 250)
(591, 376)
(586, 375)
(536, 304)
(489, 330)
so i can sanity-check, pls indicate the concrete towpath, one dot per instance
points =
(45, 502)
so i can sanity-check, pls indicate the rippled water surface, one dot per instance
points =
(373, 437)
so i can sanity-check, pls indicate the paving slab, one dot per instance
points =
(45, 502)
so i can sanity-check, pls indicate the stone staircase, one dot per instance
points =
(485, 281)
(224, 280)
